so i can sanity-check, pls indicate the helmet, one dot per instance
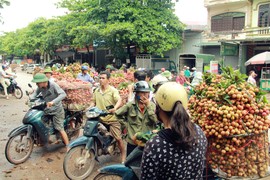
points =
(4, 67)
(47, 70)
(141, 86)
(158, 79)
(84, 68)
(40, 77)
(167, 74)
(170, 93)
(109, 66)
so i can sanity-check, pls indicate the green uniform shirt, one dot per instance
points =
(135, 120)
(104, 99)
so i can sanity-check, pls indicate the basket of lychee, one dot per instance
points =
(234, 116)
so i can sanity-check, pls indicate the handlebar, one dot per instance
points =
(94, 112)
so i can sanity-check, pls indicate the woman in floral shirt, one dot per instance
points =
(178, 151)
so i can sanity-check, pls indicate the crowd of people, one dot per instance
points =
(156, 104)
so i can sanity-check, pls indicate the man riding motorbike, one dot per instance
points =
(5, 82)
(84, 76)
(53, 96)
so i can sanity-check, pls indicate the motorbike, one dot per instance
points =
(130, 170)
(13, 88)
(84, 151)
(37, 131)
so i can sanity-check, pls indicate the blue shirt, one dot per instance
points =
(85, 77)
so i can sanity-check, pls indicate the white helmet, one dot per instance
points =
(158, 79)
(169, 93)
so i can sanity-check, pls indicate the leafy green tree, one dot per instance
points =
(151, 25)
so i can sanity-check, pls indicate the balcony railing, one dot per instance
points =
(247, 33)
(257, 31)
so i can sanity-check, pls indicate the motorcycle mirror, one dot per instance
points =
(29, 85)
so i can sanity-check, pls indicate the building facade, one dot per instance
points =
(237, 30)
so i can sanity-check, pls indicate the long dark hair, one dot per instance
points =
(182, 126)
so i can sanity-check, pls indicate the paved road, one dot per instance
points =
(43, 164)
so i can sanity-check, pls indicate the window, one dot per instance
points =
(228, 22)
(264, 17)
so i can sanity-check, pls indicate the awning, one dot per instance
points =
(205, 57)
(209, 44)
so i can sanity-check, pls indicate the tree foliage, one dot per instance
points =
(151, 25)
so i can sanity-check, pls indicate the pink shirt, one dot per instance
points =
(180, 79)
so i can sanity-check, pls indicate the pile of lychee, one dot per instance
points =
(234, 116)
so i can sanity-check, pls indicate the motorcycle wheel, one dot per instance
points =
(18, 93)
(106, 176)
(79, 162)
(19, 148)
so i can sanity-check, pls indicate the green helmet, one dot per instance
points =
(167, 74)
(109, 66)
(47, 70)
(40, 77)
(141, 86)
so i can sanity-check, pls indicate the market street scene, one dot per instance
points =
(135, 89)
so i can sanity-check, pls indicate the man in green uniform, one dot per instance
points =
(104, 97)
(139, 114)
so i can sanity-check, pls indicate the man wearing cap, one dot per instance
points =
(167, 74)
(48, 73)
(53, 96)
(109, 68)
(193, 73)
(5, 82)
(187, 74)
(84, 76)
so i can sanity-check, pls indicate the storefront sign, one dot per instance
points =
(227, 49)
(214, 67)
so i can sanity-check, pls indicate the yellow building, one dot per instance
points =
(237, 30)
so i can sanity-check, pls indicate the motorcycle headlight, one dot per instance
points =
(91, 114)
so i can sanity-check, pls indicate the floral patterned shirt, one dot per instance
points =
(165, 160)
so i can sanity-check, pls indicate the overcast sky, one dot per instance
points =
(21, 12)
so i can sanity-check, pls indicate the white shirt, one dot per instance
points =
(2, 73)
(251, 80)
